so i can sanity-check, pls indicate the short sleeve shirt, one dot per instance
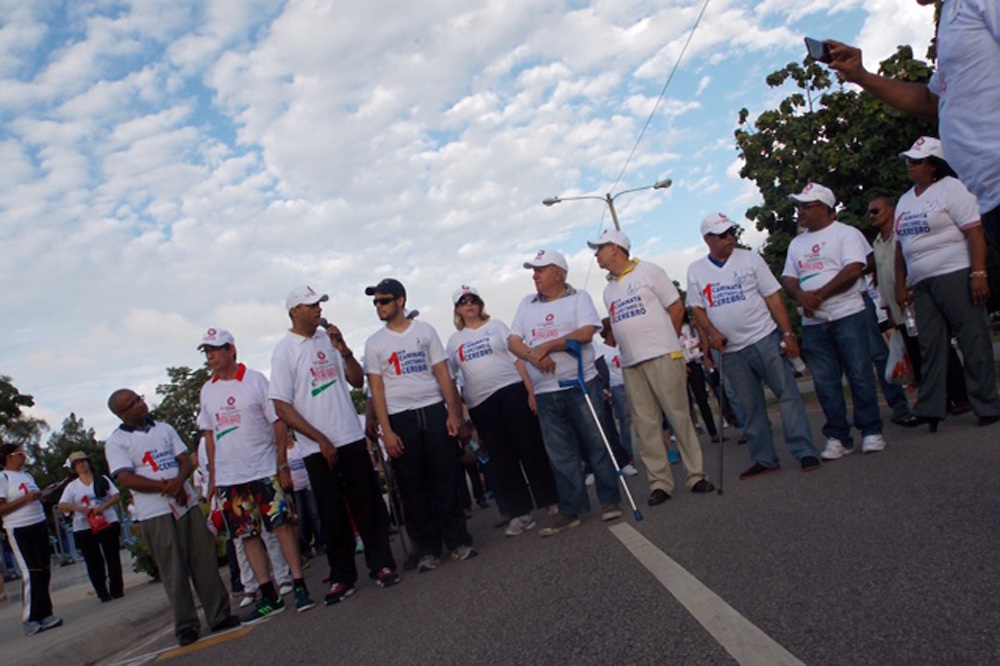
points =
(929, 228)
(406, 361)
(309, 375)
(482, 358)
(14, 485)
(538, 321)
(151, 453)
(732, 296)
(613, 359)
(241, 418)
(816, 257)
(77, 492)
(637, 303)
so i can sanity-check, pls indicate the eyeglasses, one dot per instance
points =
(874, 211)
(467, 300)
(915, 160)
(385, 300)
(809, 204)
(728, 233)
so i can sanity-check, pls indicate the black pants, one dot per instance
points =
(31, 551)
(696, 387)
(427, 477)
(514, 439)
(105, 570)
(353, 483)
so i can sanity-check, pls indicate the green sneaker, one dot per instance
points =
(303, 601)
(264, 610)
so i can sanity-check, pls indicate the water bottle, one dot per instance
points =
(911, 321)
(481, 454)
(798, 365)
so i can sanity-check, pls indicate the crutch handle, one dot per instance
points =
(575, 349)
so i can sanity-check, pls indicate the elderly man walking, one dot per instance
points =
(646, 314)
(737, 301)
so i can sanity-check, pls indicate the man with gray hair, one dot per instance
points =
(545, 322)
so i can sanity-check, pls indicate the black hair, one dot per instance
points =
(6, 450)
(941, 168)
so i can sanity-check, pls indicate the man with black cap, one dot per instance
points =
(545, 322)
(646, 314)
(310, 370)
(822, 272)
(247, 465)
(737, 301)
(419, 411)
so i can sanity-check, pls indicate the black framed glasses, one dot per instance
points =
(728, 233)
(915, 160)
(467, 300)
(384, 300)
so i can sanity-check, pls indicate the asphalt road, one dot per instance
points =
(887, 558)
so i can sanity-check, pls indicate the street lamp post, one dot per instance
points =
(609, 199)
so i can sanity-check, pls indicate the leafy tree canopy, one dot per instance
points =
(11, 401)
(181, 402)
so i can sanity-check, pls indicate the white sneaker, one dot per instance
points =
(589, 479)
(834, 450)
(285, 588)
(554, 510)
(247, 600)
(520, 525)
(629, 470)
(872, 443)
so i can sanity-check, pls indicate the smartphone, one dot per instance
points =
(818, 51)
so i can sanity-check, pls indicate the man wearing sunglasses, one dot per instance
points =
(822, 272)
(310, 370)
(737, 301)
(419, 411)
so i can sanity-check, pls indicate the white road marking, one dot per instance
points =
(747, 644)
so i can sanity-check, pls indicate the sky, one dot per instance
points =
(175, 165)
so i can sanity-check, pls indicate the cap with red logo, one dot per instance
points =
(548, 258)
(462, 291)
(925, 146)
(304, 295)
(815, 192)
(216, 337)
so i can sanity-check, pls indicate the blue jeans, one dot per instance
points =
(744, 371)
(619, 402)
(894, 393)
(568, 428)
(834, 349)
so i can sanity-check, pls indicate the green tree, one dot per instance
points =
(12, 401)
(181, 402)
(844, 139)
(15, 426)
(49, 461)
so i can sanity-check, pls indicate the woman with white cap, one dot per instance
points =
(498, 393)
(941, 273)
(92, 499)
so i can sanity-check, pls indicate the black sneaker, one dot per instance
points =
(658, 496)
(758, 470)
(187, 636)
(809, 464)
(703, 486)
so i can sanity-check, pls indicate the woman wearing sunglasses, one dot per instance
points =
(497, 391)
(28, 535)
(941, 273)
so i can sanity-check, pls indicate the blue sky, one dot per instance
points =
(171, 166)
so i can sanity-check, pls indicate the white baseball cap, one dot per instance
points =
(304, 296)
(717, 224)
(548, 258)
(612, 237)
(462, 291)
(216, 337)
(925, 146)
(815, 192)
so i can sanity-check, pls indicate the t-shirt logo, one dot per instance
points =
(475, 349)
(323, 372)
(912, 224)
(408, 363)
(549, 317)
(227, 420)
(626, 308)
(159, 460)
(718, 294)
(812, 263)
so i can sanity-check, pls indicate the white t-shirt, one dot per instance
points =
(150, 453)
(613, 358)
(816, 257)
(18, 484)
(929, 228)
(637, 305)
(967, 81)
(241, 417)
(405, 361)
(77, 492)
(482, 358)
(732, 296)
(297, 467)
(308, 374)
(538, 321)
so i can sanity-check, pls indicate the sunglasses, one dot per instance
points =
(874, 211)
(916, 160)
(467, 300)
(385, 300)
(728, 233)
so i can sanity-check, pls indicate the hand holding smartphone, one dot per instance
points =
(818, 50)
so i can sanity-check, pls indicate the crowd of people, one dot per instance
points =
(520, 385)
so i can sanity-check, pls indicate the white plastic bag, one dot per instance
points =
(898, 369)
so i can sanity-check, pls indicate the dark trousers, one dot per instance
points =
(514, 439)
(104, 564)
(696, 388)
(427, 477)
(352, 482)
(30, 546)
(311, 531)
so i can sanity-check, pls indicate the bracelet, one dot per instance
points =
(787, 334)
(282, 468)
(975, 274)
(348, 355)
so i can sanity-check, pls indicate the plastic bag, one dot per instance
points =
(98, 523)
(898, 369)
